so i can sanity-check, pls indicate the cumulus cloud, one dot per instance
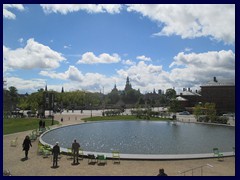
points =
(23, 85)
(88, 81)
(128, 62)
(192, 20)
(196, 69)
(146, 77)
(143, 58)
(33, 55)
(71, 74)
(8, 14)
(187, 70)
(212, 59)
(90, 58)
(90, 8)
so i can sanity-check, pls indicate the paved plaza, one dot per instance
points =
(36, 165)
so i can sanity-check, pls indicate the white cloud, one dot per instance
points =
(146, 77)
(33, 55)
(20, 40)
(197, 69)
(8, 14)
(192, 20)
(187, 49)
(90, 58)
(90, 8)
(210, 60)
(143, 58)
(67, 46)
(88, 81)
(128, 62)
(71, 74)
(24, 85)
(187, 70)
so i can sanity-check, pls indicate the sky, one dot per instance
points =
(92, 47)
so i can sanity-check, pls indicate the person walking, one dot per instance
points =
(75, 151)
(55, 153)
(26, 146)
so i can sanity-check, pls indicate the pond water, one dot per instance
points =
(144, 137)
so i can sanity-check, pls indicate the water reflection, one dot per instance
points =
(145, 137)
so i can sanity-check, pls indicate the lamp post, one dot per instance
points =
(91, 109)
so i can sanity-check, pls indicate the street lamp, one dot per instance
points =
(91, 109)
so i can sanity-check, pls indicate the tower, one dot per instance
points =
(128, 86)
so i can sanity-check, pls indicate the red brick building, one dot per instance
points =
(222, 94)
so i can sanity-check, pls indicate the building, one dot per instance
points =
(128, 85)
(189, 99)
(222, 94)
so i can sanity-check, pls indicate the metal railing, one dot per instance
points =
(192, 169)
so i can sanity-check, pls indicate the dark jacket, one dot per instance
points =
(75, 147)
(56, 150)
(162, 174)
(26, 144)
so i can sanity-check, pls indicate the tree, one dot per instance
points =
(210, 111)
(13, 92)
(197, 111)
(23, 104)
(175, 106)
(170, 94)
(113, 97)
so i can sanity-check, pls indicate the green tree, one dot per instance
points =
(170, 94)
(13, 92)
(197, 111)
(23, 103)
(174, 106)
(210, 111)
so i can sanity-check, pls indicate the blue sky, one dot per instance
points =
(92, 47)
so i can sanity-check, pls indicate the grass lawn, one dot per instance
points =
(13, 125)
(121, 117)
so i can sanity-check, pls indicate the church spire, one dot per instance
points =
(62, 90)
(128, 86)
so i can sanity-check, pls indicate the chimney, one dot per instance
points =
(189, 89)
(215, 79)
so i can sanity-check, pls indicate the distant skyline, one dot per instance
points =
(95, 46)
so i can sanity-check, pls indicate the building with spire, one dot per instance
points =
(115, 90)
(128, 85)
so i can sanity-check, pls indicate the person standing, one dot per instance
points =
(162, 173)
(40, 124)
(43, 124)
(55, 153)
(75, 151)
(26, 146)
